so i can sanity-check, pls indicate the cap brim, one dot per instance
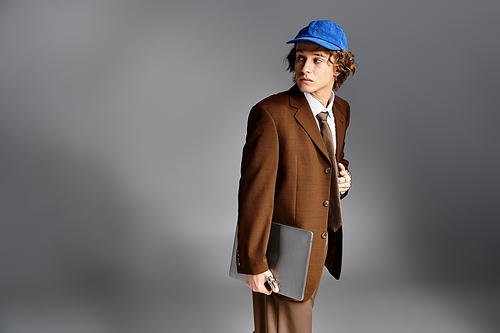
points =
(320, 42)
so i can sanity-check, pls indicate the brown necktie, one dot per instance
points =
(334, 212)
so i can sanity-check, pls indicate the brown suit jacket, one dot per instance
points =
(285, 178)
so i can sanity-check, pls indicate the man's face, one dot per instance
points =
(314, 73)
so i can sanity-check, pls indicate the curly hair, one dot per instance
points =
(342, 60)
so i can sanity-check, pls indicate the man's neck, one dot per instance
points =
(324, 100)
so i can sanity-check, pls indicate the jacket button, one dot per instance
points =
(324, 235)
(326, 203)
(327, 170)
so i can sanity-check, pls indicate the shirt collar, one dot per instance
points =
(317, 107)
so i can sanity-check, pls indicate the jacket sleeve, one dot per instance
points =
(342, 158)
(256, 191)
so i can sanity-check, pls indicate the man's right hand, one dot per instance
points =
(256, 283)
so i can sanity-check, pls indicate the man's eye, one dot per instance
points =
(318, 60)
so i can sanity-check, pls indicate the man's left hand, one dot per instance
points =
(344, 179)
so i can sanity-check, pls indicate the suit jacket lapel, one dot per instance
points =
(305, 118)
(339, 126)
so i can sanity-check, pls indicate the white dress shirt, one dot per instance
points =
(317, 107)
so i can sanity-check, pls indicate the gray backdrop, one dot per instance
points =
(114, 219)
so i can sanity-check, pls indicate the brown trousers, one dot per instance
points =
(274, 314)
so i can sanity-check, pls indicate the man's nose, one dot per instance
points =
(306, 68)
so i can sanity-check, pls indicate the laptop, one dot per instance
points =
(288, 253)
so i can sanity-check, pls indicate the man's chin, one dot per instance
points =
(304, 88)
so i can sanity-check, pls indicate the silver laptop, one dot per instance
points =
(288, 254)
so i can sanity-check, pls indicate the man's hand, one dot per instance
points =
(256, 283)
(344, 179)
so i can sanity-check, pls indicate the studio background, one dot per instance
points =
(115, 217)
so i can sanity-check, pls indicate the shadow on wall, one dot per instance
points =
(62, 224)
(67, 225)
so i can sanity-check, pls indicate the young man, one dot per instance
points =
(294, 172)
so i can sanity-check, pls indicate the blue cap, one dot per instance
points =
(324, 33)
